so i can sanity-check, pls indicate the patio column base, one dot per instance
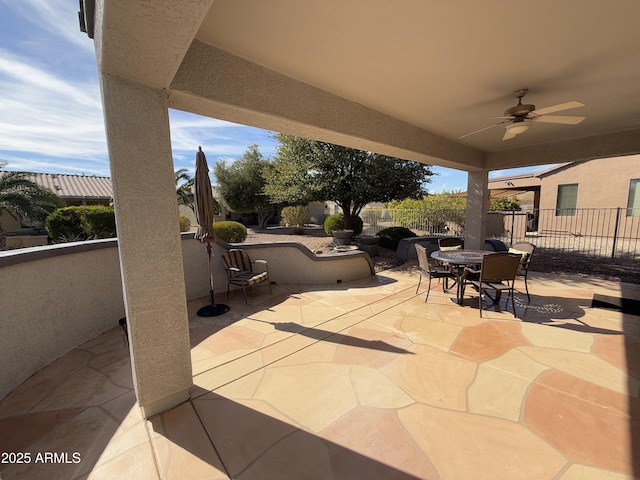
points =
(156, 407)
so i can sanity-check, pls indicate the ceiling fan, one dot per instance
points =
(519, 118)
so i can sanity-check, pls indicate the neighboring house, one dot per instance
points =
(562, 194)
(73, 189)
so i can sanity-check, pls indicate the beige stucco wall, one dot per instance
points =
(8, 222)
(54, 299)
(603, 187)
(293, 263)
(25, 241)
(602, 183)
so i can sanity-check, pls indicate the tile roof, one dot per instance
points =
(75, 186)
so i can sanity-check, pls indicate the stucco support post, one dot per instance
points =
(477, 205)
(138, 137)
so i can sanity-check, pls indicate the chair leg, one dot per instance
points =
(461, 289)
(526, 286)
(419, 280)
(428, 290)
(244, 292)
(513, 303)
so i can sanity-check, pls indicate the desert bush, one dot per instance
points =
(64, 223)
(81, 223)
(390, 237)
(336, 222)
(295, 216)
(433, 213)
(372, 215)
(230, 232)
(505, 204)
(185, 223)
(99, 221)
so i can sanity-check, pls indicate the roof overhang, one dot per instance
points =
(402, 79)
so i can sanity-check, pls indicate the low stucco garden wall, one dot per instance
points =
(55, 298)
(293, 263)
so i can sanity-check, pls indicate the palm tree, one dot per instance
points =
(184, 191)
(23, 198)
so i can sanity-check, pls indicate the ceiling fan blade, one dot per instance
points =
(558, 108)
(565, 119)
(508, 134)
(481, 130)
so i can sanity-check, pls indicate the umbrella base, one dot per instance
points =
(213, 310)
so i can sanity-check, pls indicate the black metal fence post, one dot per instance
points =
(513, 224)
(615, 233)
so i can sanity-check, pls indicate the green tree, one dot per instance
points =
(184, 188)
(241, 185)
(22, 197)
(306, 170)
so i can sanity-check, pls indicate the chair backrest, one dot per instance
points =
(450, 242)
(498, 267)
(237, 258)
(423, 259)
(525, 250)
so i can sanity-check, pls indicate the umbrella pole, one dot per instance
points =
(212, 310)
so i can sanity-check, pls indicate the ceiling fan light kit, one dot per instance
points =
(517, 128)
(520, 117)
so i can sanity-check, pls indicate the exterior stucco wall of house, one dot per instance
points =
(602, 182)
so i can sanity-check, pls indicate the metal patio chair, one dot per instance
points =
(431, 269)
(525, 250)
(240, 272)
(498, 273)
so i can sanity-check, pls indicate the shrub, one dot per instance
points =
(390, 237)
(185, 223)
(64, 223)
(431, 214)
(296, 216)
(230, 232)
(81, 223)
(505, 204)
(336, 222)
(372, 215)
(99, 221)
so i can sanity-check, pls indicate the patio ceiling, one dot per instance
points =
(436, 69)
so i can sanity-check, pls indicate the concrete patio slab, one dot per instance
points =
(361, 380)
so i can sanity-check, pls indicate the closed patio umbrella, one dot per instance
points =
(205, 233)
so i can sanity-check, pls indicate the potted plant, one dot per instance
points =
(334, 225)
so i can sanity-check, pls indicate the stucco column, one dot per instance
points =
(477, 205)
(137, 125)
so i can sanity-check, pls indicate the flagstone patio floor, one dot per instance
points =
(361, 380)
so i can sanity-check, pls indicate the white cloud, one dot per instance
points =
(59, 18)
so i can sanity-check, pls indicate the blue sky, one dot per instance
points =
(51, 112)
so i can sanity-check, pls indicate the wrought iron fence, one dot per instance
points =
(596, 232)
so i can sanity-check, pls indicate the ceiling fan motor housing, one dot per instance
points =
(519, 111)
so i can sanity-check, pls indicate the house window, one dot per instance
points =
(633, 204)
(567, 200)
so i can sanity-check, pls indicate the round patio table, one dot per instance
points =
(460, 259)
